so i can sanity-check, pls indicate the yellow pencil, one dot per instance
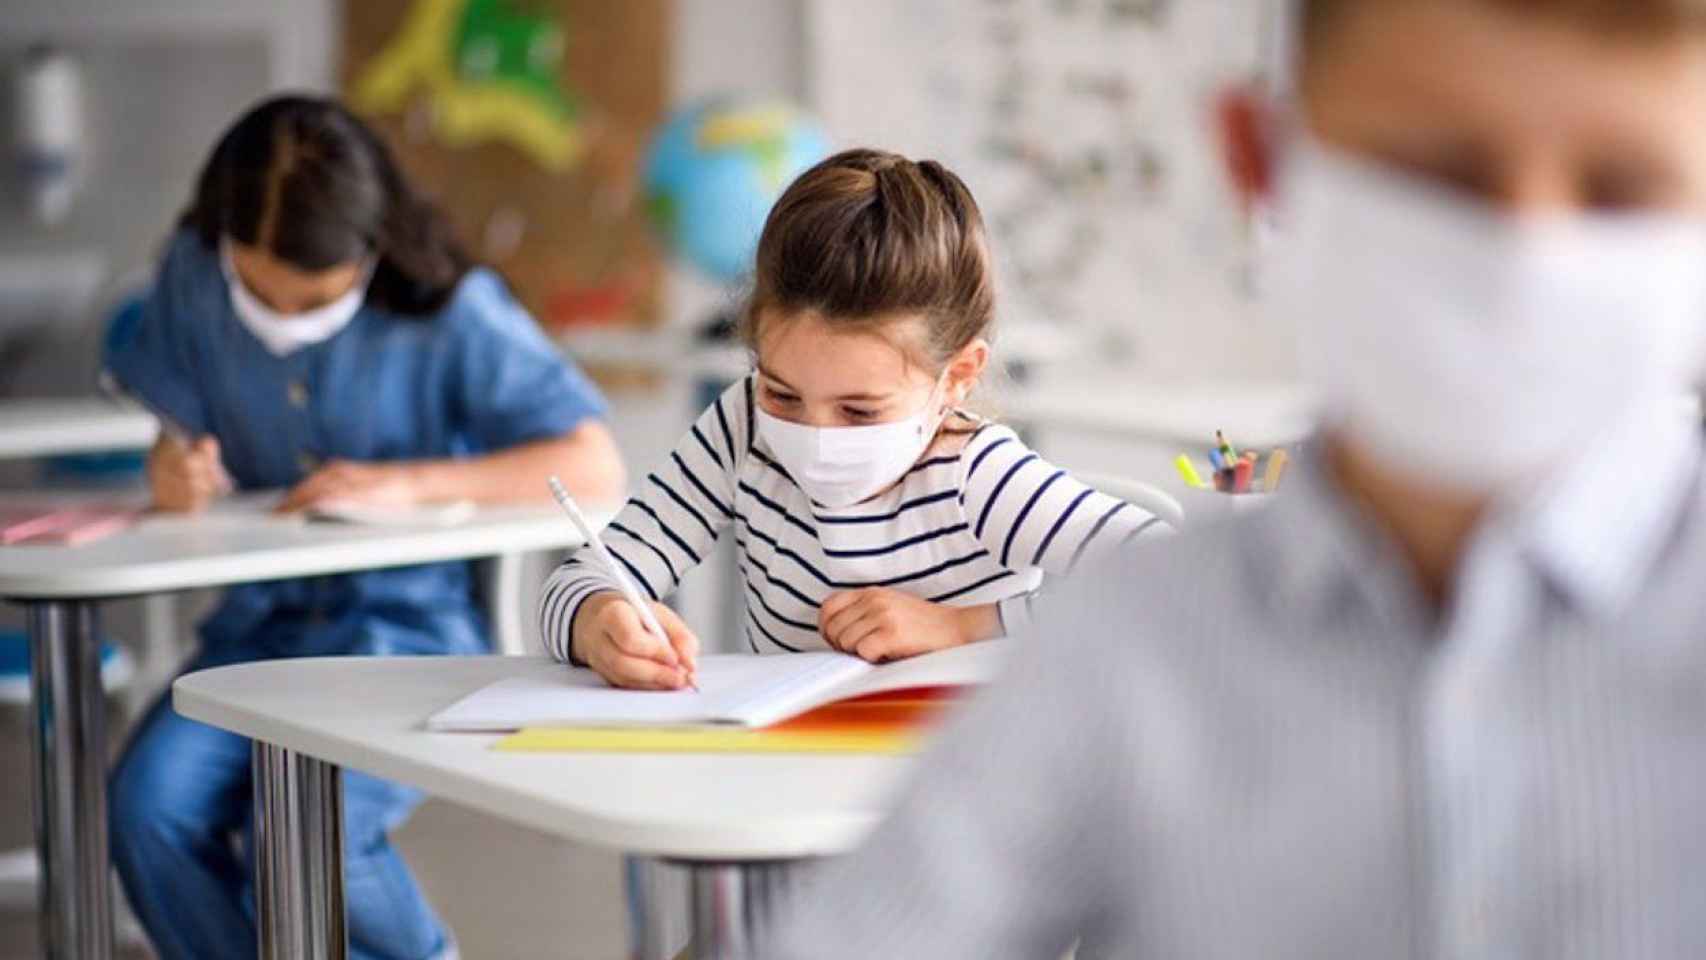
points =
(1276, 469)
(1188, 471)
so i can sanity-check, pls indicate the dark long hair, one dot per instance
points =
(304, 179)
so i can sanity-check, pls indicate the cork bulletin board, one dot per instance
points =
(526, 121)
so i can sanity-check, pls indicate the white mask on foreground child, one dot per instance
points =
(841, 466)
(1471, 348)
(285, 333)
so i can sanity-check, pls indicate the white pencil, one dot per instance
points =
(624, 583)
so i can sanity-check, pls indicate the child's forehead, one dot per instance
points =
(817, 354)
(1486, 70)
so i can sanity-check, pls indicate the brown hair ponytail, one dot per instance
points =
(868, 235)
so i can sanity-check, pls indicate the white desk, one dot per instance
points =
(42, 428)
(1184, 414)
(62, 587)
(735, 820)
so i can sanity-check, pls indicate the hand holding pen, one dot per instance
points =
(628, 640)
(186, 476)
(185, 472)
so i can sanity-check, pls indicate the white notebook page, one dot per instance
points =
(733, 688)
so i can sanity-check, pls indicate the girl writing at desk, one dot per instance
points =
(316, 328)
(872, 513)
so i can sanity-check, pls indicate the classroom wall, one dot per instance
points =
(161, 78)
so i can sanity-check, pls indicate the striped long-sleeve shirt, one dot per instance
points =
(979, 519)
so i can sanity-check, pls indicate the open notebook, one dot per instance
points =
(740, 690)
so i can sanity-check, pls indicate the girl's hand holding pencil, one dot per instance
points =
(630, 642)
(610, 637)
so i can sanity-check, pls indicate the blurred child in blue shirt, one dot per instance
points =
(315, 327)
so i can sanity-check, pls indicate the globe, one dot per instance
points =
(713, 172)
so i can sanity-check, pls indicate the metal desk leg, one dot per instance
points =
(161, 651)
(657, 908)
(299, 856)
(69, 736)
(732, 904)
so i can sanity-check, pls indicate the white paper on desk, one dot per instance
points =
(740, 689)
(734, 688)
(422, 515)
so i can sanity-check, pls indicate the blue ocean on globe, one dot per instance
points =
(715, 169)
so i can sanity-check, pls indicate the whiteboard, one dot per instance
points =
(1084, 129)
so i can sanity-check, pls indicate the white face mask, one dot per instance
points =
(842, 466)
(285, 333)
(1473, 349)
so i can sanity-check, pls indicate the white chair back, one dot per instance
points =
(1139, 494)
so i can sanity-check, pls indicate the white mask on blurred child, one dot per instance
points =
(285, 333)
(842, 466)
(1470, 348)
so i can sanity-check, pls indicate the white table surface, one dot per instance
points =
(237, 541)
(1253, 413)
(41, 428)
(367, 714)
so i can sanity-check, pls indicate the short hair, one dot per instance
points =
(1644, 18)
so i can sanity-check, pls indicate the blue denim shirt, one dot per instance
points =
(475, 377)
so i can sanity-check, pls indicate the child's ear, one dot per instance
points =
(965, 369)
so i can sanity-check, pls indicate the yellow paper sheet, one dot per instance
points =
(593, 740)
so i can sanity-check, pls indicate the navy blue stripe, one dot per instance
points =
(986, 581)
(671, 534)
(836, 584)
(804, 527)
(637, 574)
(790, 588)
(750, 641)
(885, 517)
(728, 435)
(898, 544)
(1145, 525)
(1007, 548)
(553, 613)
(761, 457)
(565, 640)
(1121, 505)
(978, 462)
(933, 462)
(582, 592)
(751, 420)
(715, 458)
(658, 481)
(550, 624)
(932, 571)
(693, 478)
(767, 634)
(675, 578)
(995, 494)
(785, 552)
(758, 595)
(1059, 522)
